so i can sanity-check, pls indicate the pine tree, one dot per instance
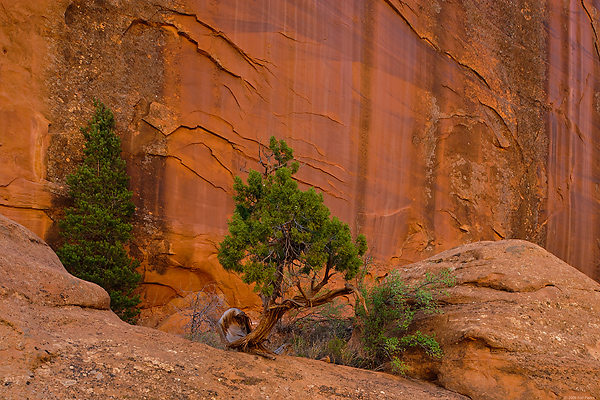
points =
(283, 240)
(98, 225)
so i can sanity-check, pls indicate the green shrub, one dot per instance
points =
(98, 225)
(391, 307)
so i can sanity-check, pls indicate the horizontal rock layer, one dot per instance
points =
(426, 124)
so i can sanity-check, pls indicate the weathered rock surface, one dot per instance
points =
(57, 348)
(520, 324)
(30, 270)
(426, 123)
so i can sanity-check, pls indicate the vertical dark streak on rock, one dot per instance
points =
(526, 76)
(593, 28)
(365, 117)
(591, 266)
(556, 144)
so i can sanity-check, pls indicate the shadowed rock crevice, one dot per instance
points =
(215, 32)
(433, 44)
(593, 25)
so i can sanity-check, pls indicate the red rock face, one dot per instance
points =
(426, 124)
(573, 94)
(24, 193)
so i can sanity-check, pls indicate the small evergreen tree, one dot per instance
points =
(98, 225)
(282, 240)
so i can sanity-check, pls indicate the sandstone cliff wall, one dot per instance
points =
(427, 124)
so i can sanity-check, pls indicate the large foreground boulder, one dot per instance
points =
(30, 269)
(520, 324)
(58, 340)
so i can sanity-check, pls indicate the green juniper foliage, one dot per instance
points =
(279, 234)
(392, 306)
(98, 225)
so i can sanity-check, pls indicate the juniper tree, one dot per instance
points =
(284, 241)
(98, 225)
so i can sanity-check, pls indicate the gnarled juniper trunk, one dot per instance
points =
(254, 340)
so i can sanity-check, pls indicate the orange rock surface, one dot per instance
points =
(426, 124)
(519, 324)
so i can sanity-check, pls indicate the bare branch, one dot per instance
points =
(326, 277)
(308, 301)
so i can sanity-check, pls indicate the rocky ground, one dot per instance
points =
(76, 353)
(58, 340)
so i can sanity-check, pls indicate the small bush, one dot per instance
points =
(327, 331)
(203, 311)
(391, 308)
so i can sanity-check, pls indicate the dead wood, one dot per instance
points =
(254, 342)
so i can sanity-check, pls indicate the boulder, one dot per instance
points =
(519, 324)
(30, 269)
